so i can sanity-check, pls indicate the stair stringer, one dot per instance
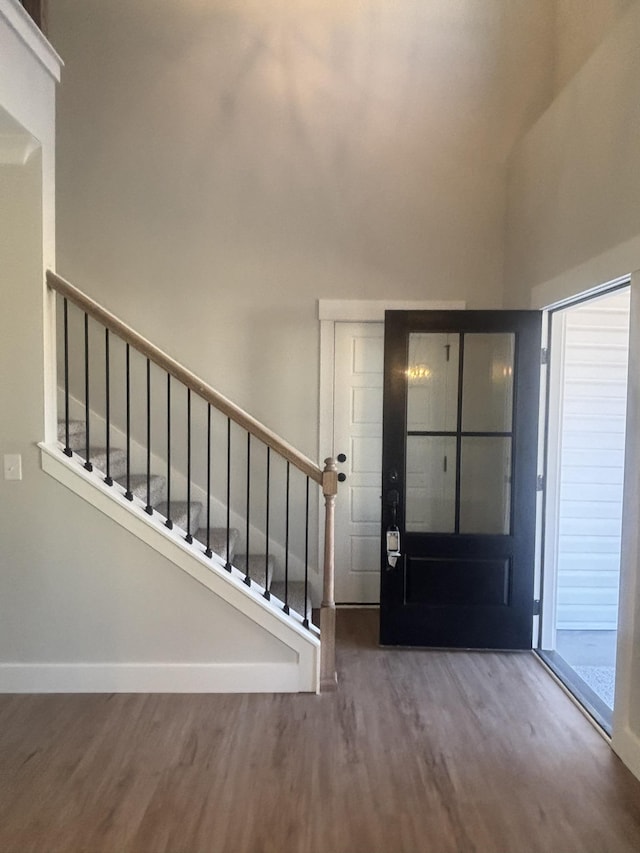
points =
(301, 676)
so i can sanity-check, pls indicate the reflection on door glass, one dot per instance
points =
(487, 382)
(485, 485)
(430, 484)
(432, 382)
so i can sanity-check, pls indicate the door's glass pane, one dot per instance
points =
(432, 382)
(430, 484)
(485, 485)
(487, 382)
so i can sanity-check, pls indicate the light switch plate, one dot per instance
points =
(12, 466)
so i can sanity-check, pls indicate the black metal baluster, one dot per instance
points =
(87, 419)
(128, 494)
(168, 523)
(267, 593)
(148, 509)
(286, 547)
(305, 621)
(67, 449)
(189, 537)
(208, 552)
(247, 577)
(228, 563)
(107, 394)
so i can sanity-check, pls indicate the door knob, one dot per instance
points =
(393, 499)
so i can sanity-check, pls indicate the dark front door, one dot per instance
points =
(460, 423)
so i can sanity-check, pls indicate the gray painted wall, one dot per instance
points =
(574, 223)
(223, 165)
(74, 587)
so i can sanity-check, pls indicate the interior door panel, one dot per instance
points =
(459, 477)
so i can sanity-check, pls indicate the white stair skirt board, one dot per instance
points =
(210, 572)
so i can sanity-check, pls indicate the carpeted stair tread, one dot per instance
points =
(296, 596)
(76, 433)
(217, 535)
(256, 567)
(97, 455)
(138, 484)
(179, 514)
(218, 540)
(98, 458)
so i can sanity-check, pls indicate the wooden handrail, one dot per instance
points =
(217, 400)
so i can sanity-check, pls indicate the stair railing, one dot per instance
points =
(78, 381)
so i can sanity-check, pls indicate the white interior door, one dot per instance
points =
(359, 354)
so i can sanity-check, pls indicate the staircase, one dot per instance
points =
(188, 517)
(178, 456)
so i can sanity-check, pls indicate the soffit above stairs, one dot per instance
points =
(14, 15)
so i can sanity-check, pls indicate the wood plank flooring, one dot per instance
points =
(417, 752)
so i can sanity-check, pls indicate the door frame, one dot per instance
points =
(625, 735)
(330, 312)
(549, 462)
(551, 410)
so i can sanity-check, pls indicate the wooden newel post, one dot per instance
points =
(328, 678)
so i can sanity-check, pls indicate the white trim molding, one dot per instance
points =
(21, 23)
(149, 678)
(551, 409)
(625, 738)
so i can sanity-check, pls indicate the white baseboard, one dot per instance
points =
(626, 745)
(150, 678)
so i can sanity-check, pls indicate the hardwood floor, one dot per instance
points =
(427, 752)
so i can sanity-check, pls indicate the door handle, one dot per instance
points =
(393, 499)
(342, 457)
(393, 533)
